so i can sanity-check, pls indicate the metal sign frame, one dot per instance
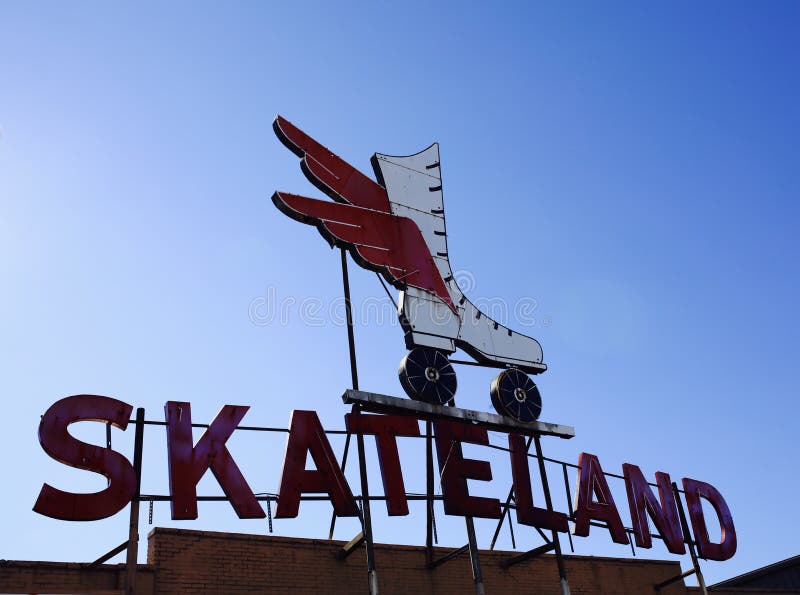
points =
(361, 401)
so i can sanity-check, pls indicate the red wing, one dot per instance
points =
(334, 176)
(383, 242)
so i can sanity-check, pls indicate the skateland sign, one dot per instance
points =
(393, 225)
(188, 463)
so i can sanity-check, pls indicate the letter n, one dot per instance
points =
(643, 502)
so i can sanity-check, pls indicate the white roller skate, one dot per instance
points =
(396, 227)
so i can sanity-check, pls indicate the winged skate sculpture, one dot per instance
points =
(395, 226)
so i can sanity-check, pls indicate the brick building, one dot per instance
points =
(180, 561)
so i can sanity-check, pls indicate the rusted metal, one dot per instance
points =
(687, 537)
(538, 551)
(372, 575)
(569, 504)
(507, 504)
(562, 570)
(674, 579)
(107, 556)
(366, 516)
(447, 557)
(477, 573)
(133, 524)
(377, 403)
(350, 546)
(348, 308)
(429, 492)
(344, 466)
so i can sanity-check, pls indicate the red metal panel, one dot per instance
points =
(455, 470)
(306, 435)
(386, 428)
(592, 483)
(188, 464)
(705, 547)
(527, 513)
(383, 242)
(642, 502)
(328, 172)
(59, 444)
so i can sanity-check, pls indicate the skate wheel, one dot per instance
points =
(514, 394)
(426, 375)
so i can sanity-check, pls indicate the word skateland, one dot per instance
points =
(188, 462)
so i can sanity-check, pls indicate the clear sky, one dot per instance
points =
(629, 169)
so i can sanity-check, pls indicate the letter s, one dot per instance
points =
(63, 447)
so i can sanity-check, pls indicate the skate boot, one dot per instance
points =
(396, 227)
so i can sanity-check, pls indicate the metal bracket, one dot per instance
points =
(542, 549)
(385, 404)
(448, 557)
(674, 579)
(350, 546)
(105, 557)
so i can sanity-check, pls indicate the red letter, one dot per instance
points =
(705, 548)
(642, 502)
(188, 464)
(306, 435)
(455, 470)
(527, 513)
(385, 428)
(59, 444)
(591, 481)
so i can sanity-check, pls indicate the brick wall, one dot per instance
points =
(69, 577)
(187, 562)
(208, 562)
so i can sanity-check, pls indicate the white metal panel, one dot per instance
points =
(428, 321)
(414, 188)
(494, 341)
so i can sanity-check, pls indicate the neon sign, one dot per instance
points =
(189, 462)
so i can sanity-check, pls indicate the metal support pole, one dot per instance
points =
(562, 571)
(131, 559)
(506, 506)
(344, 464)
(372, 575)
(447, 557)
(477, 574)
(687, 537)
(429, 492)
(351, 341)
(569, 504)
(108, 441)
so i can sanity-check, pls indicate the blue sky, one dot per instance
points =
(630, 169)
